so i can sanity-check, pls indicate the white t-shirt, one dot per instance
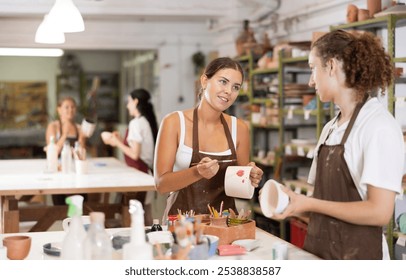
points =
(374, 150)
(184, 153)
(140, 131)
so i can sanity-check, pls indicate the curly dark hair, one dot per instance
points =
(219, 64)
(146, 108)
(366, 65)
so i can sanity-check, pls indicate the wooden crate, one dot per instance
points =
(229, 234)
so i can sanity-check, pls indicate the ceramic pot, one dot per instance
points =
(374, 6)
(242, 38)
(18, 246)
(352, 13)
(385, 4)
(363, 14)
(218, 222)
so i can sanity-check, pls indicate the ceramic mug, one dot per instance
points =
(218, 222)
(18, 246)
(272, 198)
(237, 182)
(85, 221)
(81, 166)
(88, 127)
(352, 13)
(363, 14)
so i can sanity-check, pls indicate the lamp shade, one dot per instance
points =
(66, 16)
(47, 33)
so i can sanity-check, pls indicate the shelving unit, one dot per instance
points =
(391, 23)
(241, 106)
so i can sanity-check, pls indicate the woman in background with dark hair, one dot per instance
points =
(139, 141)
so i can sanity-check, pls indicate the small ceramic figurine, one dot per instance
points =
(363, 14)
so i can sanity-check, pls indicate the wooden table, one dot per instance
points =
(28, 177)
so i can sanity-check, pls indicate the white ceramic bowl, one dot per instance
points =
(106, 136)
(272, 198)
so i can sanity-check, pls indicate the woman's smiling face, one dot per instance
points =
(223, 88)
(67, 110)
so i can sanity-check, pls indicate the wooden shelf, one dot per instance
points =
(299, 186)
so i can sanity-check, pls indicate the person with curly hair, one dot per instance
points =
(195, 146)
(358, 165)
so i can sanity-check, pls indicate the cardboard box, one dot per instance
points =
(229, 234)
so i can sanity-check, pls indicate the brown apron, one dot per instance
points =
(137, 164)
(71, 140)
(330, 238)
(205, 191)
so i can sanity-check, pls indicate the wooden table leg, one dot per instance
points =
(125, 216)
(10, 217)
(54, 213)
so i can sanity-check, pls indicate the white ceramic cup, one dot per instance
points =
(81, 166)
(272, 198)
(106, 136)
(88, 127)
(237, 182)
(66, 222)
(280, 251)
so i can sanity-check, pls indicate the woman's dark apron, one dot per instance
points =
(71, 140)
(198, 195)
(330, 238)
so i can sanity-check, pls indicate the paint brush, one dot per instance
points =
(219, 161)
(221, 208)
(211, 212)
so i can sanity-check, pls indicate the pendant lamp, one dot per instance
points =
(48, 33)
(66, 16)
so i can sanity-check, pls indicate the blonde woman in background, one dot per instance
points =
(64, 129)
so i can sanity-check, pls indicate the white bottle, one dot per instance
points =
(3, 252)
(98, 244)
(52, 156)
(66, 158)
(72, 244)
(138, 248)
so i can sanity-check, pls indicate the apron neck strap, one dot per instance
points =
(352, 121)
(195, 139)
